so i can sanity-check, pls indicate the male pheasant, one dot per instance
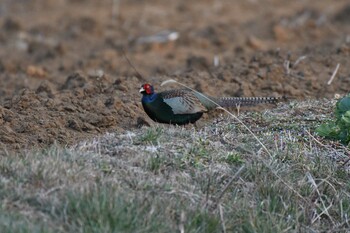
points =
(183, 106)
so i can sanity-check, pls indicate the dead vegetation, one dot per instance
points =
(165, 178)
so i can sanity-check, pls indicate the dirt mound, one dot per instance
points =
(84, 106)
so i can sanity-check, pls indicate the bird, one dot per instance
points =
(184, 106)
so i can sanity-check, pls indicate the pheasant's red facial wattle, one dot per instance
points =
(148, 89)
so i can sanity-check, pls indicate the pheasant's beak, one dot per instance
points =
(142, 90)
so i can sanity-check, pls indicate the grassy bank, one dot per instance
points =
(216, 178)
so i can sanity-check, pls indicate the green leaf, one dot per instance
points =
(329, 130)
(342, 107)
(340, 128)
(343, 136)
(346, 119)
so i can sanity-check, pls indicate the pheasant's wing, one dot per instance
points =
(183, 101)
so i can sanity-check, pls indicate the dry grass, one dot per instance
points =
(174, 179)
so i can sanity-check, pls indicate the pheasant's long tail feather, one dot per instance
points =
(247, 101)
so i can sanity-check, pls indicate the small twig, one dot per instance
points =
(325, 209)
(115, 10)
(329, 147)
(317, 141)
(229, 184)
(299, 60)
(286, 66)
(54, 189)
(182, 222)
(333, 74)
(208, 188)
(138, 74)
(216, 61)
(345, 162)
(238, 107)
(130, 137)
(221, 211)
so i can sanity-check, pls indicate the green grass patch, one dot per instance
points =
(151, 136)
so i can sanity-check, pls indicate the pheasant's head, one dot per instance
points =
(147, 89)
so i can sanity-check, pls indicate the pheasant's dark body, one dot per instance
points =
(185, 106)
(161, 112)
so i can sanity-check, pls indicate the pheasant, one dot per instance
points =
(183, 106)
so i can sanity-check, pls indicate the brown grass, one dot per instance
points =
(165, 178)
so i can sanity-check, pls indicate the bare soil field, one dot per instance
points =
(64, 78)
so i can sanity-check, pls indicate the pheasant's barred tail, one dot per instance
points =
(247, 101)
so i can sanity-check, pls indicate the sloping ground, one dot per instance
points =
(63, 76)
(176, 179)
